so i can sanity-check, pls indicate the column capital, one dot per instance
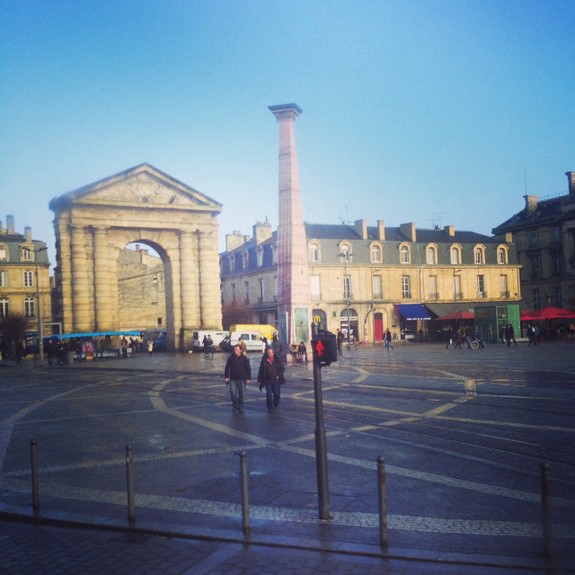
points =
(285, 111)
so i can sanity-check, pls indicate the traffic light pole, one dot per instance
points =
(320, 440)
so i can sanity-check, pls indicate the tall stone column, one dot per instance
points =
(293, 272)
(189, 280)
(209, 281)
(80, 288)
(104, 282)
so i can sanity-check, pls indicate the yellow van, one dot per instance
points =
(266, 330)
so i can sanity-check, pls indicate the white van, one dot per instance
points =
(253, 340)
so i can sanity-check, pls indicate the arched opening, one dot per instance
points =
(142, 288)
(349, 322)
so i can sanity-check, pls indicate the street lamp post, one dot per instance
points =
(40, 324)
(346, 291)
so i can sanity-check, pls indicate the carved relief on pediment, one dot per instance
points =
(142, 189)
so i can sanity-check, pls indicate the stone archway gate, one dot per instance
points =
(142, 204)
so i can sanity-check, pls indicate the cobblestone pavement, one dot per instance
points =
(463, 434)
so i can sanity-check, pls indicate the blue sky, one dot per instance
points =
(437, 112)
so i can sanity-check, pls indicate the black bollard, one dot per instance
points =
(35, 477)
(382, 491)
(546, 501)
(130, 482)
(244, 487)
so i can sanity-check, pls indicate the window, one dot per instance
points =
(245, 260)
(481, 286)
(347, 293)
(535, 267)
(345, 252)
(247, 292)
(26, 254)
(28, 279)
(315, 287)
(431, 255)
(314, 255)
(375, 254)
(433, 287)
(377, 287)
(260, 256)
(405, 287)
(3, 279)
(479, 255)
(29, 307)
(4, 307)
(455, 255)
(535, 299)
(533, 239)
(555, 234)
(501, 256)
(503, 287)
(231, 262)
(557, 259)
(404, 256)
(262, 290)
(457, 294)
(557, 296)
(233, 293)
(3, 254)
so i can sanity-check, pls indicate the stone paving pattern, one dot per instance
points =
(462, 432)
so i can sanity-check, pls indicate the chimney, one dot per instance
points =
(530, 203)
(28, 234)
(408, 230)
(10, 224)
(361, 228)
(381, 230)
(571, 179)
(262, 231)
(235, 240)
(449, 230)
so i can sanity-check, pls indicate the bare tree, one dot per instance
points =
(13, 329)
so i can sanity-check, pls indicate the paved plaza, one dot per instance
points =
(463, 435)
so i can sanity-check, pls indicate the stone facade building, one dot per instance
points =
(24, 276)
(544, 233)
(368, 278)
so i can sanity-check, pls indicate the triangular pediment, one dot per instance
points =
(141, 186)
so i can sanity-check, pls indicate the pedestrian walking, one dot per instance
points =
(238, 374)
(388, 344)
(510, 335)
(271, 376)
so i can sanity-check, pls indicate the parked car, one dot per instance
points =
(408, 334)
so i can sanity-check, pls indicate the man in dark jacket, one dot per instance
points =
(271, 376)
(237, 374)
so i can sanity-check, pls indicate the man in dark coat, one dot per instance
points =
(238, 373)
(271, 376)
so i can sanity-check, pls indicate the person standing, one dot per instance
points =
(271, 376)
(238, 374)
(339, 342)
(388, 344)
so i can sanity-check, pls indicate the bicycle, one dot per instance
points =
(351, 345)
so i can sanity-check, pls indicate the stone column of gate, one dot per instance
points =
(103, 282)
(80, 288)
(209, 281)
(189, 283)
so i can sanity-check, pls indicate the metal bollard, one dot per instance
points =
(35, 479)
(244, 486)
(130, 481)
(382, 502)
(546, 501)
